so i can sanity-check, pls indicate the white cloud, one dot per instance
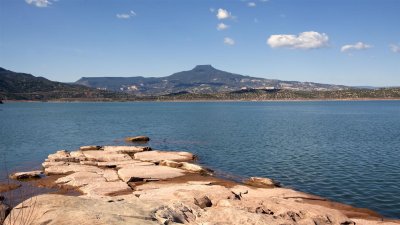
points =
(212, 10)
(395, 48)
(251, 4)
(222, 26)
(356, 46)
(223, 14)
(305, 40)
(39, 3)
(229, 41)
(126, 15)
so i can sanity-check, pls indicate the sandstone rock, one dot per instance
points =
(61, 156)
(120, 164)
(78, 154)
(51, 209)
(103, 188)
(90, 147)
(194, 168)
(80, 179)
(136, 173)
(110, 175)
(89, 163)
(68, 169)
(105, 156)
(262, 182)
(26, 175)
(170, 163)
(203, 202)
(48, 164)
(126, 149)
(157, 156)
(138, 139)
(174, 213)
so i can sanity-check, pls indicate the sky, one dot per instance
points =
(349, 42)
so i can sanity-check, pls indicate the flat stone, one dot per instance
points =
(80, 179)
(52, 163)
(132, 173)
(26, 175)
(105, 156)
(78, 154)
(138, 139)
(67, 169)
(126, 149)
(120, 164)
(106, 188)
(90, 163)
(110, 175)
(157, 156)
(90, 147)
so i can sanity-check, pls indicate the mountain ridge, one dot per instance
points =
(202, 79)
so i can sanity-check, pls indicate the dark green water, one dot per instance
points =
(346, 151)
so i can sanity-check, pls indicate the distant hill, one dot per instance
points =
(22, 86)
(202, 79)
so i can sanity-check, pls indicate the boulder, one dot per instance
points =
(126, 149)
(262, 182)
(90, 147)
(105, 156)
(203, 202)
(157, 156)
(26, 175)
(138, 139)
(138, 173)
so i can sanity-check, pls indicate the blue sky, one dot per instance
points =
(351, 42)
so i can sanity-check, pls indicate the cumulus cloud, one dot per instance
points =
(356, 46)
(222, 26)
(126, 15)
(304, 40)
(251, 4)
(223, 14)
(39, 3)
(395, 48)
(229, 41)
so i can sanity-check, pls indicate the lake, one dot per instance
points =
(348, 151)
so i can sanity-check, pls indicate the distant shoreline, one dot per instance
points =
(204, 100)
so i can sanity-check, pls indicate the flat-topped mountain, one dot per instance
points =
(203, 79)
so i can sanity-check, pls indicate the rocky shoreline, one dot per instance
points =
(138, 185)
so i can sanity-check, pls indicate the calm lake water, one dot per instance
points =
(346, 151)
